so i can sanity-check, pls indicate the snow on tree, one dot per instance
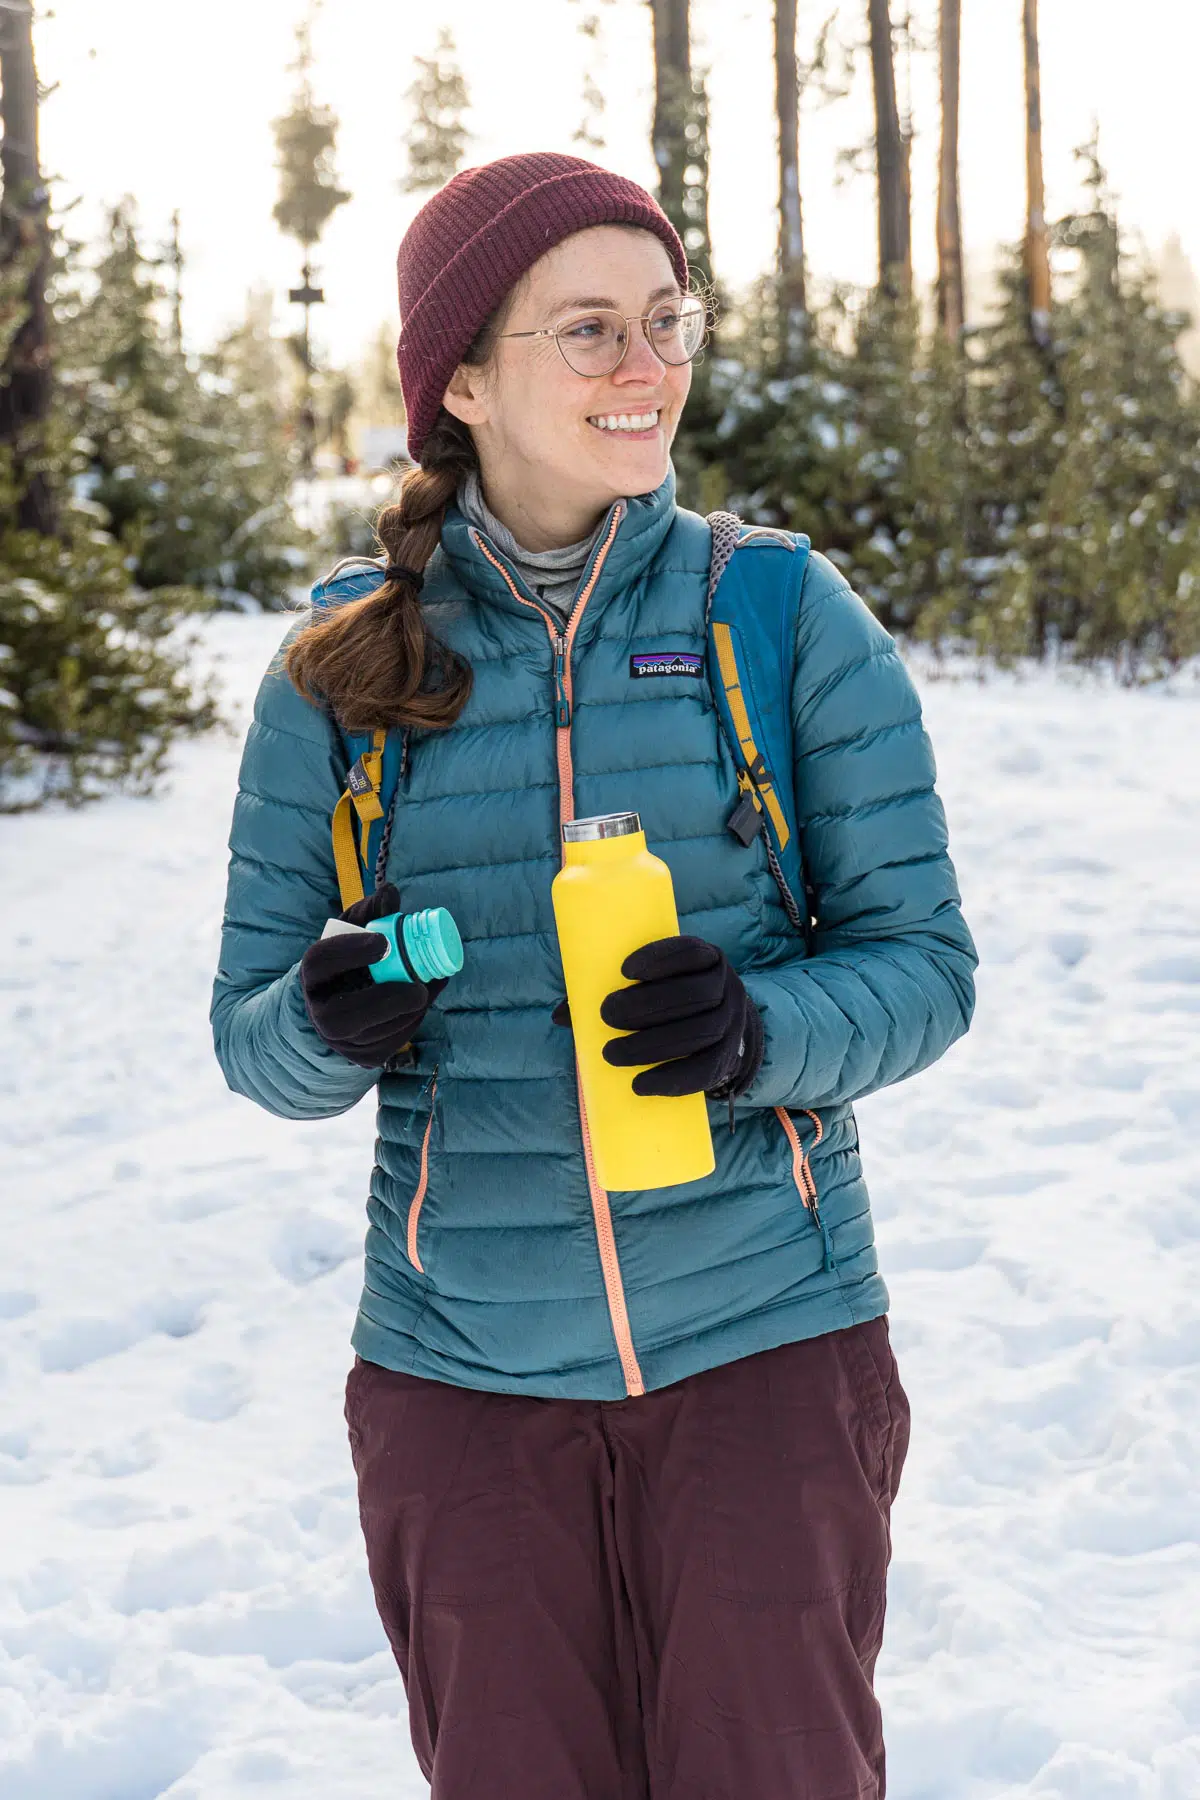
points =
(437, 138)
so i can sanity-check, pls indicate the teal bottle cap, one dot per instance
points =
(433, 943)
(425, 944)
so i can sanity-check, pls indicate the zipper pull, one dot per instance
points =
(828, 1264)
(562, 711)
(745, 821)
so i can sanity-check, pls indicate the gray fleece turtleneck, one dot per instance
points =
(554, 575)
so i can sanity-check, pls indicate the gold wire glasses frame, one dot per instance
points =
(594, 343)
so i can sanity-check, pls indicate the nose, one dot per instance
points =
(639, 362)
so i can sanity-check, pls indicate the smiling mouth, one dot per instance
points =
(636, 424)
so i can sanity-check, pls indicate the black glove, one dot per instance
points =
(364, 1020)
(688, 1012)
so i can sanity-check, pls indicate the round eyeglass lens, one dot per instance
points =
(593, 343)
(677, 329)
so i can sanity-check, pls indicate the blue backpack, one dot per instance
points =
(754, 584)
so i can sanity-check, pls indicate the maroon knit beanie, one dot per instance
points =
(476, 237)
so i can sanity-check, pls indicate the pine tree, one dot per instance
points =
(309, 195)
(94, 681)
(305, 142)
(187, 463)
(897, 511)
(123, 382)
(225, 522)
(1179, 289)
(437, 139)
(94, 671)
(378, 396)
(1015, 439)
(1112, 552)
(589, 133)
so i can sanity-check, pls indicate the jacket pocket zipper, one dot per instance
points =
(415, 1204)
(802, 1175)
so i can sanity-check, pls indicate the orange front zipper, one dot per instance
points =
(414, 1205)
(601, 1211)
(802, 1174)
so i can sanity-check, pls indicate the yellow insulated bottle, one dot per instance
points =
(611, 896)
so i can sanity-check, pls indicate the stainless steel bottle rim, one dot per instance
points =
(604, 825)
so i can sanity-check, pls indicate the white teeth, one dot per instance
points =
(626, 421)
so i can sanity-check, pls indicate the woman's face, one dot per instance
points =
(537, 423)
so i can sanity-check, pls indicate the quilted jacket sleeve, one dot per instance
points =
(890, 984)
(282, 887)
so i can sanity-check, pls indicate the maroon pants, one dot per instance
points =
(678, 1597)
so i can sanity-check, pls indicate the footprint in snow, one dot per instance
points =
(1185, 1104)
(1174, 1344)
(16, 1303)
(1017, 1181)
(1022, 759)
(308, 1245)
(202, 1204)
(79, 1342)
(1070, 947)
(1172, 1219)
(1184, 968)
(940, 1254)
(1071, 865)
(1006, 1090)
(1076, 1131)
(1026, 1345)
(114, 1511)
(17, 1468)
(1125, 1076)
(262, 1764)
(131, 1457)
(217, 1392)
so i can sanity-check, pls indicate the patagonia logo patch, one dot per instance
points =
(665, 662)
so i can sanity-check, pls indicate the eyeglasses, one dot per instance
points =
(594, 343)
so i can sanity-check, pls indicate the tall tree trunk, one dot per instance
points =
(793, 305)
(895, 231)
(672, 94)
(1037, 243)
(680, 133)
(950, 299)
(24, 240)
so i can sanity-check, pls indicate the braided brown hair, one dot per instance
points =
(374, 661)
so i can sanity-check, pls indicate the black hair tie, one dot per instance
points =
(398, 572)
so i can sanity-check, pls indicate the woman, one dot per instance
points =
(625, 1461)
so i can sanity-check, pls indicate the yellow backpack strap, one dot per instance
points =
(757, 778)
(362, 798)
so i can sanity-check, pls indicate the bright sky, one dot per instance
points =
(174, 105)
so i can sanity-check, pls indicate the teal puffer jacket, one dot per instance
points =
(493, 1258)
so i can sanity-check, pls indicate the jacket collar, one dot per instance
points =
(643, 524)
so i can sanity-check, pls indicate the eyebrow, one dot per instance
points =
(575, 302)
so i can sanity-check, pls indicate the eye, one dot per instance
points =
(583, 331)
(665, 324)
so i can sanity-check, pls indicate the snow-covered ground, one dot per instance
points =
(184, 1609)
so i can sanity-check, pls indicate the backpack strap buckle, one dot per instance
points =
(362, 799)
